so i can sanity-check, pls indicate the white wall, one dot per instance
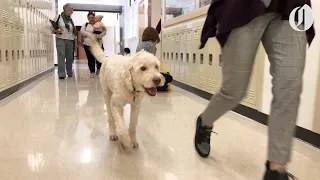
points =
(131, 26)
(80, 17)
(109, 42)
(103, 2)
(308, 97)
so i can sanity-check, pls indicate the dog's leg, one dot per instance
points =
(117, 112)
(112, 126)
(134, 115)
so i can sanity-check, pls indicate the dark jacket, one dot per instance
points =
(225, 15)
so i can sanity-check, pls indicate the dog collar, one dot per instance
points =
(134, 89)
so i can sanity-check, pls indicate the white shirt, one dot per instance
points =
(86, 31)
(65, 33)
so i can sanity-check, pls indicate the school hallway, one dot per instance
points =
(58, 130)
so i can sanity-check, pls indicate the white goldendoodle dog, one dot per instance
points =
(125, 80)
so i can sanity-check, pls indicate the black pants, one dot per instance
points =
(92, 60)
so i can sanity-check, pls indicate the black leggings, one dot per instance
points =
(92, 60)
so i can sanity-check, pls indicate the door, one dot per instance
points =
(141, 19)
(81, 54)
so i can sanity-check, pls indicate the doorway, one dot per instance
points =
(142, 19)
(81, 54)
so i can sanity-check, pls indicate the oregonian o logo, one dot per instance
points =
(305, 18)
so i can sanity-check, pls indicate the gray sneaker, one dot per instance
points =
(98, 72)
(202, 139)
(92, 75)
(277, 175)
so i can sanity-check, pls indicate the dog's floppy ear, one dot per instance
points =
(127, 76)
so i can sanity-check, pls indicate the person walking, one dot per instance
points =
(86, 30)
(65, 41)
(241, 28)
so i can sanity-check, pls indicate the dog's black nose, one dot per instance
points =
(156, 81)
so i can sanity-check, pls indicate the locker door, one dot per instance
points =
(27, 41)
(189, 57)
(168, 66)
(182, 56)
(164, 50)
(176, 56)
(15, 62)
(2, 55)
(195, 59)
(173, 39)
(202, 67)
(213, 69)
(24, 38)
(7, 54)
(36, 42)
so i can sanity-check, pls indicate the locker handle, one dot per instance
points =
(181, 57)
(210, 59)
(7, 55)
(171, 56)
(177, 57)
(220, 60)
(13, 55)
(0, 55)
(201, 58)
(187, 57)
(194, 58)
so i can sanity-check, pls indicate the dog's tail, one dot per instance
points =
(96, 50)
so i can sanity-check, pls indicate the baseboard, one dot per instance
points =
(301, 133)
(7, 92)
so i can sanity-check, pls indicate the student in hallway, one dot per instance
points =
(241, 29)
(150, 38)
(86, 30)
(65, 39)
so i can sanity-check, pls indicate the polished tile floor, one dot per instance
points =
(57, 130)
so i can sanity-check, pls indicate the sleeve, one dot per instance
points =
(152, 49)
(83, 31)
(103, 33)
(54, 19)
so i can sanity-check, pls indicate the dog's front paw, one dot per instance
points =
(113, 137)
(135, 144)
(125, 141)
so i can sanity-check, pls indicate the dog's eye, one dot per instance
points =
(143, 68)
(157, 67)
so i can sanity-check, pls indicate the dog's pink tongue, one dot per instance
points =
(152, 91)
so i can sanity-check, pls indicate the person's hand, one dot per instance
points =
(57, 31)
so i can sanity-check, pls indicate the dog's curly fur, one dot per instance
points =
(125, 80)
